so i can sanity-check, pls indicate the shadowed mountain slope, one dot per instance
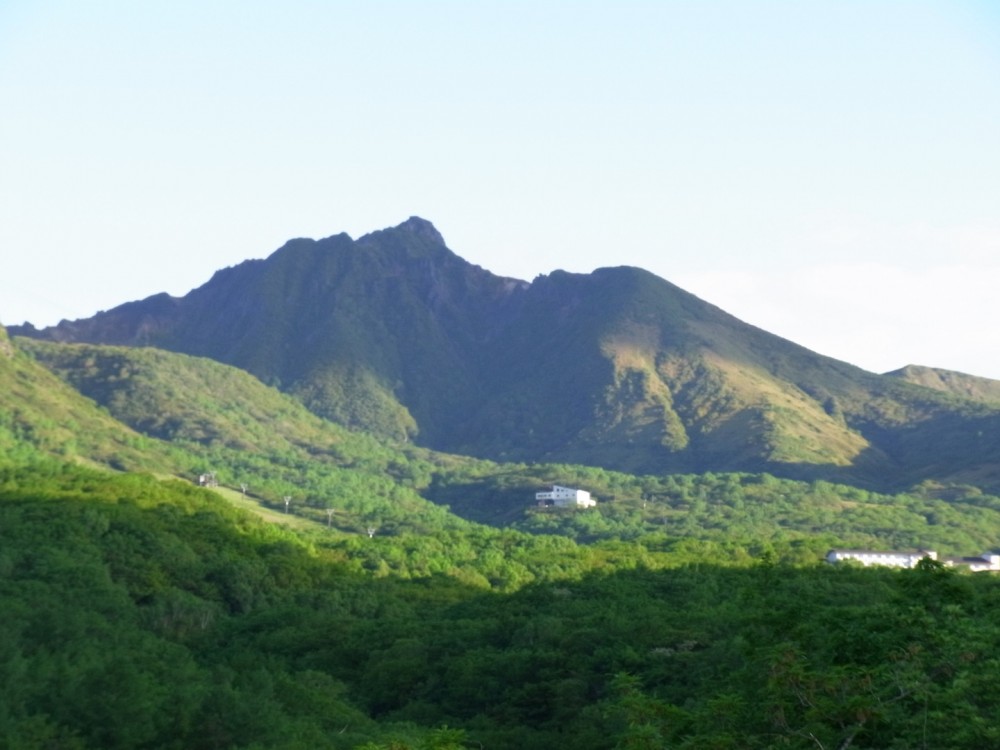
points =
(395, 334)
(369, 333)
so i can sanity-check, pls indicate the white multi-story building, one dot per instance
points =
(872, 557)
(988, 561)
(565, 497)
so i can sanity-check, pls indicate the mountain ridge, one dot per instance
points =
(395, 334)
(950, 381)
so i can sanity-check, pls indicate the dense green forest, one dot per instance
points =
(141, 613)
(406, 599)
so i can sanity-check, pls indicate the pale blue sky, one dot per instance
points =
(827, 171)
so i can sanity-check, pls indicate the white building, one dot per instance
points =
(565, 497)
(208, 480)
(871, 557)
(988, 561)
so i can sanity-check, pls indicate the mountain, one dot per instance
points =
(395, 334)
(374, 334)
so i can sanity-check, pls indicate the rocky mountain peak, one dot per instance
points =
(422, 228)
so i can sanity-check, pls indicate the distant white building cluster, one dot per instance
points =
(988, 561)
(565, 497)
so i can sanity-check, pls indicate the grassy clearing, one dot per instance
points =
(270, 515)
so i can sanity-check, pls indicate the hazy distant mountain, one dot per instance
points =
(395, 334)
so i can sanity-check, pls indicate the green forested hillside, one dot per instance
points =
(229, 422)
(39, 413)
(727, 516)
(146, 614)
(687, 611)
(192, 399)
(218, 419)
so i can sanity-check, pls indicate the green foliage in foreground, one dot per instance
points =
(146, 614)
